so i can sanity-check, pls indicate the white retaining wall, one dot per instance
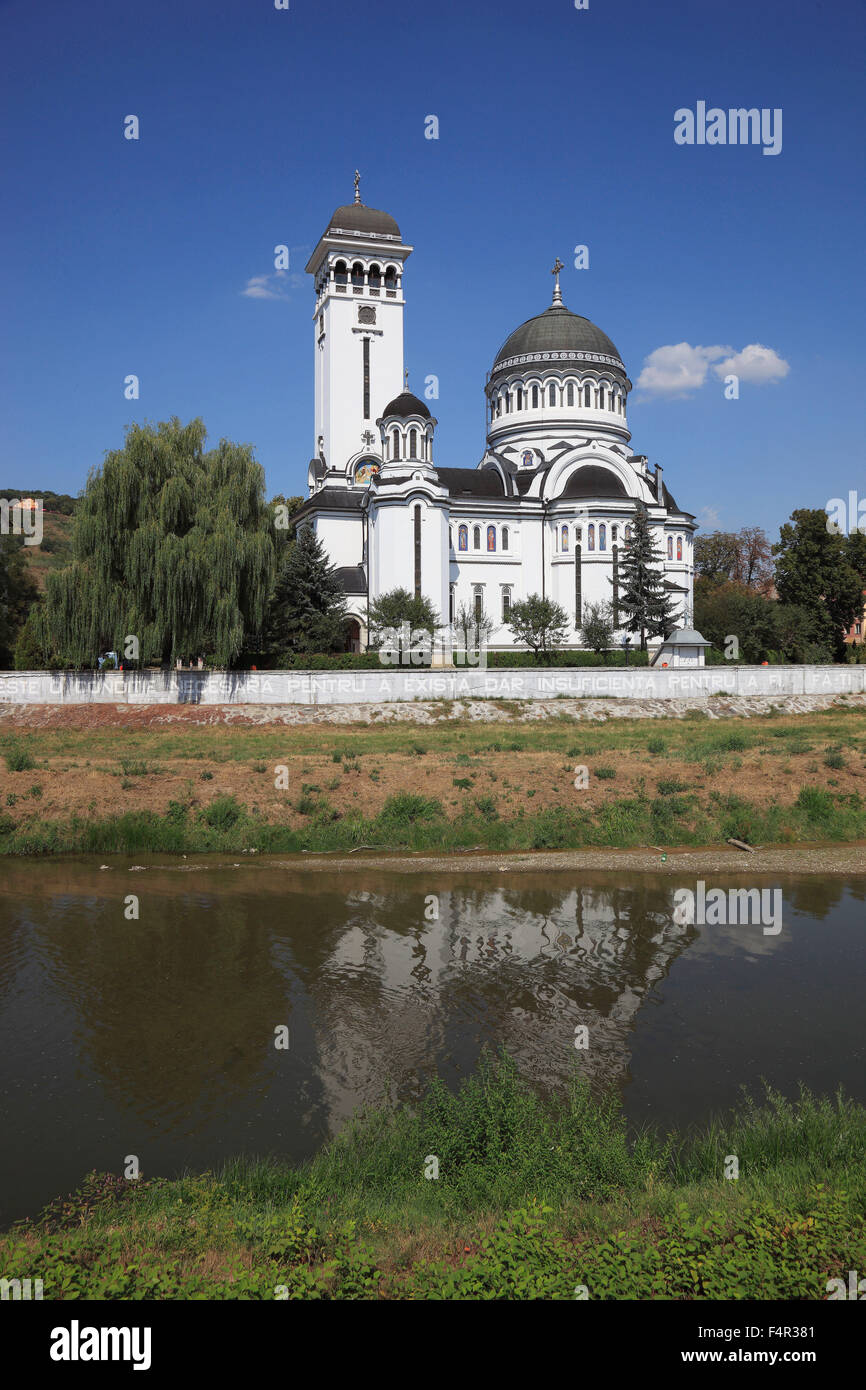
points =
(371, 687)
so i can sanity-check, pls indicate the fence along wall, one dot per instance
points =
(372, 687)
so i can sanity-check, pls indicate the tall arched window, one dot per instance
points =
(463, 538)
(564, 539)
(476, 538)
(413, 444)
(535, 398)
(423, 446)
(670, 547)
(507, 402)
(357, 275)
(520, 398)
(628, 533)
(341, 274)
(591, 536)
(587, 395)
(491, 538)
(374, 279)
(601, 398)
(679, 547)
(390, 278)
(551, 394)
(505, 538)
(614, 532)
(395, 436)
(602, 537)
(569, 393)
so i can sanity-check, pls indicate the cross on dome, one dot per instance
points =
(357, 186)
(557, 267)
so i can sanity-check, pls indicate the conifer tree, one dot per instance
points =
(307, 612)
(643, 599)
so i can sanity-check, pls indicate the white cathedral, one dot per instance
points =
(548, 508)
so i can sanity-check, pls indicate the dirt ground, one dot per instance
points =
(102, 761)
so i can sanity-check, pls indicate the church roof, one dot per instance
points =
(593, 481)
(357, 217)
(331, 499)
(471, 482)
(352, 579)
(404, 405)
(558, 334)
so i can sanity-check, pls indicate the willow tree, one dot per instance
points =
(171, 545)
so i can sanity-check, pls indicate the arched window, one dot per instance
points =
(556, 538)
(569, 393)
(535, 398)
(374, 278)
(564, 539)
(390, 277)
(679, 547)
(476, 538)
(520, 398)
(357, 276)
(341, 275)
(507, 401)
(601, 398)
(463, 538)
(614, 532)
(451, 540)
(491, 538)
(602, 537)
(670, 547)
(395, 435)
(578, 535)
(413, 444)
(591, 536)
(587, 394)
(551, 394)
(628, 533)
(505, 538)
(423, 446)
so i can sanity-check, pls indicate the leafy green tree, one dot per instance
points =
(643, 599)
(716, 556)
(597, 631)
(171, 545)
(761, 626)
(814, 571)
(18, 593)
(538, 623)
(471, 630)
(307, 612)
(390, 611)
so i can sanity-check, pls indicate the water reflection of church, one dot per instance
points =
(520, 968)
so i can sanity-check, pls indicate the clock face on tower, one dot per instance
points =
(364, 471)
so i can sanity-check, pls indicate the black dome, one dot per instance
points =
(405, 405)
(559, 334)
(357, 217)
(593, 481)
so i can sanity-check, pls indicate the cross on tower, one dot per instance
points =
(357, 187)
(406, 379)
(557, 267)
(368, 437)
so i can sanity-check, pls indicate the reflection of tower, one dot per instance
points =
(358, 326)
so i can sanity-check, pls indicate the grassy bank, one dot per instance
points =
(560, 784)
(532, 1199)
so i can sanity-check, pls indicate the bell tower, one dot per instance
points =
(357, 270)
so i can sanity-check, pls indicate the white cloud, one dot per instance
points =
(678, 368)
(755, 363)
(279, 285)
(709, 517)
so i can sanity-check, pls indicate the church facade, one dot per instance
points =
(548, 508)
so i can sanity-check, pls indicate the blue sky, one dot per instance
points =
(556, 130)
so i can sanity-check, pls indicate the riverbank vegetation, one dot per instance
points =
(490, 1193)
(520, 785)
